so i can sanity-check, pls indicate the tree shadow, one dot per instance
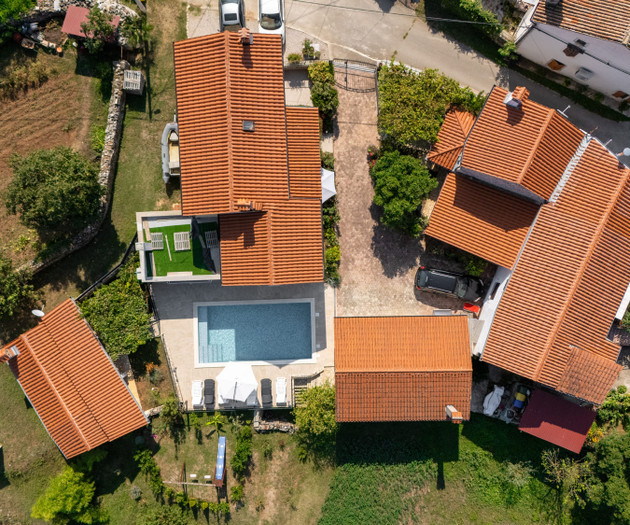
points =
(119, 467)
(146, 354)
(396, 251)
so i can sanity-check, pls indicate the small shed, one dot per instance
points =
(75, 16)
(133, 82)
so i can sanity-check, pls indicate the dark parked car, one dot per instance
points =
(462, 286)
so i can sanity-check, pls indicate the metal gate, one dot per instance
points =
(353, 75)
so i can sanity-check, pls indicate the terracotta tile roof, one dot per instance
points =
(401, 368)
(280, 246)
(568, 284)
(220, 83)
(606, 19)
(303, 142)
(72, 383)
(529, 147)
(481, 220)
(451, 138)
(75, 16)
(557, 420)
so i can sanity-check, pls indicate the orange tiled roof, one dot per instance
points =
(451, 138)
(220, 83)
(72, 384)
(529, 147)
(481, 220)
(606, 19)
(401, 368)
(554, 317)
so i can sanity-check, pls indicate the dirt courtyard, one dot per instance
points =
(377, 264)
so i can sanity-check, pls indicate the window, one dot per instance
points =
(583, 74)
(620, 94)
(555, 65)
(572, 50)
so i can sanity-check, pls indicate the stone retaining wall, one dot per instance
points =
(109, 157)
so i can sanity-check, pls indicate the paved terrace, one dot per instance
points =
(174, 303)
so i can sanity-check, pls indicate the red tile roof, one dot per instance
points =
(451, 138)
(221, 83)
(481, 220)
(606, 19)
(557, 421)
(554, 317)
(75, 16)
(401, 368)
(530, 146)
(72, 383)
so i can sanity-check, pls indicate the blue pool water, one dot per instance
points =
(254, 332)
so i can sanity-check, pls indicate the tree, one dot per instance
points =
(615, 409)
(67, 500)
(137, 31)
(118, 313)
(412, 105)
(315, 420)
(53, 191)
(15, 290)
(97, 29)
(12, 9)
(165, 515)
(324, 95)
(170, 416)
(401, 183)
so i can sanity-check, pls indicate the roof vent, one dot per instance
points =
(9, 352)
(514, 99)
(246, 36)
(552, 3)
(453, 414)
(248, 125)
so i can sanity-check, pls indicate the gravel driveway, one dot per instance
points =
(377, 264)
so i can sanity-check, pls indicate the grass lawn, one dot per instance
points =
(483, 471)
(168, 260)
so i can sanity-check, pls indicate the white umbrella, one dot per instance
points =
(328, 185)
(237, 381)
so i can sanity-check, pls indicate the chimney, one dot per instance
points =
(246, 36)
(453, 414)
(8, 353)
(514, 99)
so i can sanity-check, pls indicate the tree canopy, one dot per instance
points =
(54, 191)
(315, 419)
(68, 500)
(401, 183)
(98, 28)
(412, 105)
(12, 9)
(118, 313)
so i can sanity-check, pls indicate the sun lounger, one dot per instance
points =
(281, 391)
(197, 393)
(208, 393)
(265, 391)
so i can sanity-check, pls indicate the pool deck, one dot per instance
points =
(175, 309)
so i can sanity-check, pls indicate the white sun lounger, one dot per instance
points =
(281, 390)
(197, 393)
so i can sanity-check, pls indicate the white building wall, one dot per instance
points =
(609, 61)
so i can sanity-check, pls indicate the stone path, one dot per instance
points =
(377, 264)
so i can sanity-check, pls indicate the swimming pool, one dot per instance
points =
(254, 331)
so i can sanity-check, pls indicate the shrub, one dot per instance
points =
(615, 410)
(137, 31)
(294, 58)
(243, 452)
(325, 97)
(474, 11)
(16, 292)
(412, 106)
(315, 420)
(150, 469)
(267, 450)
(508, 51)
(12, 9)
(164, 515)
(327, 159)
(54, 190)
(170, 417)
(97, 138)
(118, 313)
(236, 493)
(475, 266)
(98, 29)
(322, 72)
(135, 492)
(21, 76)
(68, 499)
(309, 51)
(332, 257)
(401, 183)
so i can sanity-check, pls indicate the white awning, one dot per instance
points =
(237, 382)
(328, 185)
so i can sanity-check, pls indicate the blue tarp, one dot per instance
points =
(220, 459)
